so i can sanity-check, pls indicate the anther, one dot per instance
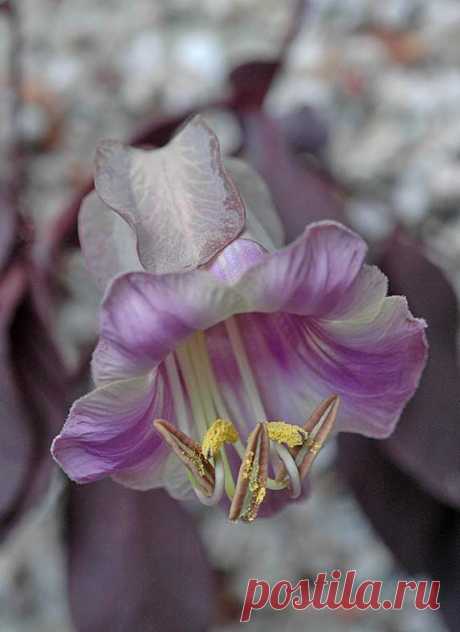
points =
(190, 453)
(217, 494)
(295, 446)
(317, 429)
(252, 478)
(319, 432)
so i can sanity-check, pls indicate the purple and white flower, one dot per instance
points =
(223, 337)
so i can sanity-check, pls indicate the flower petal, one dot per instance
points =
(373, 364)
(311, 275)
(144, 316)
(178, 199)
(374, 367)
(109, 431)
(333, 331)
(262, 221)
(234, 260)
(107, 241)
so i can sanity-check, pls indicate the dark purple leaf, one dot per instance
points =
(382, 489)
(34, 400)
(300, 193)
(305, 130)
(42, 380)
(426, 442)
(251, 82)
(422, 532)
(8, 222)
(135, 563)
(159, 131)
(39, 370)
(15, 440)
(5, 6)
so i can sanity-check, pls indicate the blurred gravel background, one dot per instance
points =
(386, 78)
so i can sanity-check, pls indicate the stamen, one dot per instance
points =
(318, 415)
(205, 361)
(314, 446)
(252, 478)
(189, 452)
(290, 434)
(245, 368)
(216, 496)
(201, 382)
(197, 397)
(180, 407)
(220, 432)
(198, 410)
(196, 361)
(318, 436)
(295, 487)
(316, 429)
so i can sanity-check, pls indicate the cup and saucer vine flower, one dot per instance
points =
(225, 357)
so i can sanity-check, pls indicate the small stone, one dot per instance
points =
(445, 184)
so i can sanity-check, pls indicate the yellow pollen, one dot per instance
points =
(314, 446)
(260, 495)
(257, 499)
(220, 432)
(254, 486)
(247, 466)
(195, 460)
(291, 435)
